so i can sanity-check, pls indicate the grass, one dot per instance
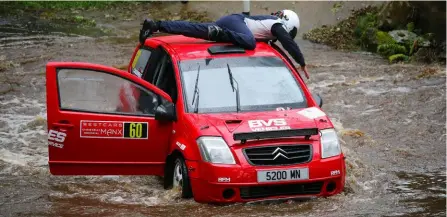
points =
(12, 7)
(353, 133)
(5, 65)
(427, 72)
(37, 5)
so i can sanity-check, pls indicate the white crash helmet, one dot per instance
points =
(289, 19)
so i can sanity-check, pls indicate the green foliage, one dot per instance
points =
(372, 37)
(369, 20)
(384, 38)
(391, 49)
(368, 39)
(336, 7)
(397, 58)
(81, 20)
(345, 34)
(410, 27)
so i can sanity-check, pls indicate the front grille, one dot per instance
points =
(279, 155)
(281, 190)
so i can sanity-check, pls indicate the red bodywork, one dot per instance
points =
(111, 153)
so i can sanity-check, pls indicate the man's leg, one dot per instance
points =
(230, 28)
(237, 31)
(189, 29)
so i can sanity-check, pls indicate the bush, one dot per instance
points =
(369, 20)
(398, 58)
(384, 38)
(343, 35)
(371, 38)
(387, 50)
(410, 27)
(368, 39)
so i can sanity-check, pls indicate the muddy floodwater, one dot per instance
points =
(390, 118)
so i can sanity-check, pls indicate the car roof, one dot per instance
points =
(194, 48)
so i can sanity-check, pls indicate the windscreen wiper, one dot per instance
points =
(196, 93)
(232, 80)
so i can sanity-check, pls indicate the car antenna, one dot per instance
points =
(196, 92)
(232, 80)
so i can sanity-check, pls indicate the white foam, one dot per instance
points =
(401, 89)
(18, 150)
(13, 158)
(370, 91)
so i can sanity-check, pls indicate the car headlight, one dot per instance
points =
(215, 150)
(330, 146)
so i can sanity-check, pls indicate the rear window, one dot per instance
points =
(140, 61)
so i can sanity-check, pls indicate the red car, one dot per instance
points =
(222, 123)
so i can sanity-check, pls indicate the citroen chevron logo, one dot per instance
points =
(279, 152)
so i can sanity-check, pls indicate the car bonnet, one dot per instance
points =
(228, 125)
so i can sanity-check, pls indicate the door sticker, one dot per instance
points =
(135, 130)
(180, 145)
(56, 138)
(114, 129)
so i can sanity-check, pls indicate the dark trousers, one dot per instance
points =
(233, 26)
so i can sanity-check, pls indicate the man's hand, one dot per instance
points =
(304, 69)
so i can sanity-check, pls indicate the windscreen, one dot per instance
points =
(264, 83)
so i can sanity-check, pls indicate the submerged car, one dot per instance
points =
(221, 123)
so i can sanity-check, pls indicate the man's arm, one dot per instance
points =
(288, 43)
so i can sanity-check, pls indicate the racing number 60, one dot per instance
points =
(136, 130)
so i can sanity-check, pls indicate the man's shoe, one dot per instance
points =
(149, 27)
(144, 34)
(215, 33)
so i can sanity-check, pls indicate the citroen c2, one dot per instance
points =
(221, 123)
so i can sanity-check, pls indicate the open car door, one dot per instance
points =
(87, 132)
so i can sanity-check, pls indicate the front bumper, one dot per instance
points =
(238, 183)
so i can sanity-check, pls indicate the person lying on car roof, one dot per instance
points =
(240, 29)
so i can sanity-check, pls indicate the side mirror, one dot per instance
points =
(165, 112)
(318, 99)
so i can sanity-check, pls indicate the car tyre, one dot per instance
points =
(180, 177)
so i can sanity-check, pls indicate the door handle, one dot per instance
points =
(63, 125)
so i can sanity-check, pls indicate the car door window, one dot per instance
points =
(101, 92)
(140, 61)
(153, 64)
(166, 80)
(159, 70)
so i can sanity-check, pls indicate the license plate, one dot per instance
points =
(283, 175)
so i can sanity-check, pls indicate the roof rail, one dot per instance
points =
(225, 49)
